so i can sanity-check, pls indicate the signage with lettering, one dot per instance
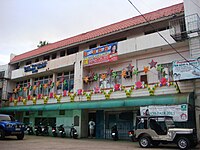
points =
(183, 70)
(34, 67)
(100, 54)
(178, 112)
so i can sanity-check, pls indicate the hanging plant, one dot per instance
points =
(24, 100)
(15, 102)
(45, 98)
(72, 96)
(58, 97)
(107, 94)
(34, 99)
(88, 95)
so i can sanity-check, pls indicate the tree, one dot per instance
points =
(42, 43)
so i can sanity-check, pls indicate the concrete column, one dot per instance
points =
(54, 81)
(78, 72)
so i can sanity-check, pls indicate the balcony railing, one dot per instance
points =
(183, 27)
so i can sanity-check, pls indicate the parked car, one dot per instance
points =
(9, 126)
(153, 130)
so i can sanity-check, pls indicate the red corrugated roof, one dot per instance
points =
(168, 11)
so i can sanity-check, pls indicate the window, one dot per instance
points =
(62, 53)
(41, 85)
(72, 50)
(2, 74)
(66, 81)
(167, 72)
(92, 46)
(110, 81)
(23, 91)
(143, 78)
(53, 56)
(47, 57)
(37, 60)
(28, 62)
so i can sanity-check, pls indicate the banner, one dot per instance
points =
(100, 54)
(183, 70)
(178, 112)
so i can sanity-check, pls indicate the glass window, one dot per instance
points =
(53, 56)
(167, 72)
(42, 85)
(66, 81)
(110, 81)
(62, 53)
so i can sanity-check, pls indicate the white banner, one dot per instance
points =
(178, 112)
(183, 70)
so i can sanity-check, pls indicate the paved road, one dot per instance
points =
(51, 143)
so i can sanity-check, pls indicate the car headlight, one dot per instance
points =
(9, 126)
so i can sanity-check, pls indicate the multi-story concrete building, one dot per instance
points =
(112, 74)
(4, 86)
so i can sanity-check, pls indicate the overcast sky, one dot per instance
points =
(23, 23)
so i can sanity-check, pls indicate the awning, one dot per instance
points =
(103, 104)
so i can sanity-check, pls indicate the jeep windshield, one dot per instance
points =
(6, 118)
(169, 122)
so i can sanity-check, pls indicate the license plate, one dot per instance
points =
(17, 129)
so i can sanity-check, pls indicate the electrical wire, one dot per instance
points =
(195, 4)
(161, 35)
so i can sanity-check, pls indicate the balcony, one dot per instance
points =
(66, 61)
(185, 27)
(144, 42)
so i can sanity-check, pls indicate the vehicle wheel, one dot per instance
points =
(20, 136)
(155, 143)
(2, 134)
(183, 143)
(145, 142)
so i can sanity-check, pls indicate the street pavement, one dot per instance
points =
(56, 143)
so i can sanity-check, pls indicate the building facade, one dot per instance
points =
(110, 75)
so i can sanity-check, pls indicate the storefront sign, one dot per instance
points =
(178, 112)
(100, 54)
(183, 70)
(34, 67)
